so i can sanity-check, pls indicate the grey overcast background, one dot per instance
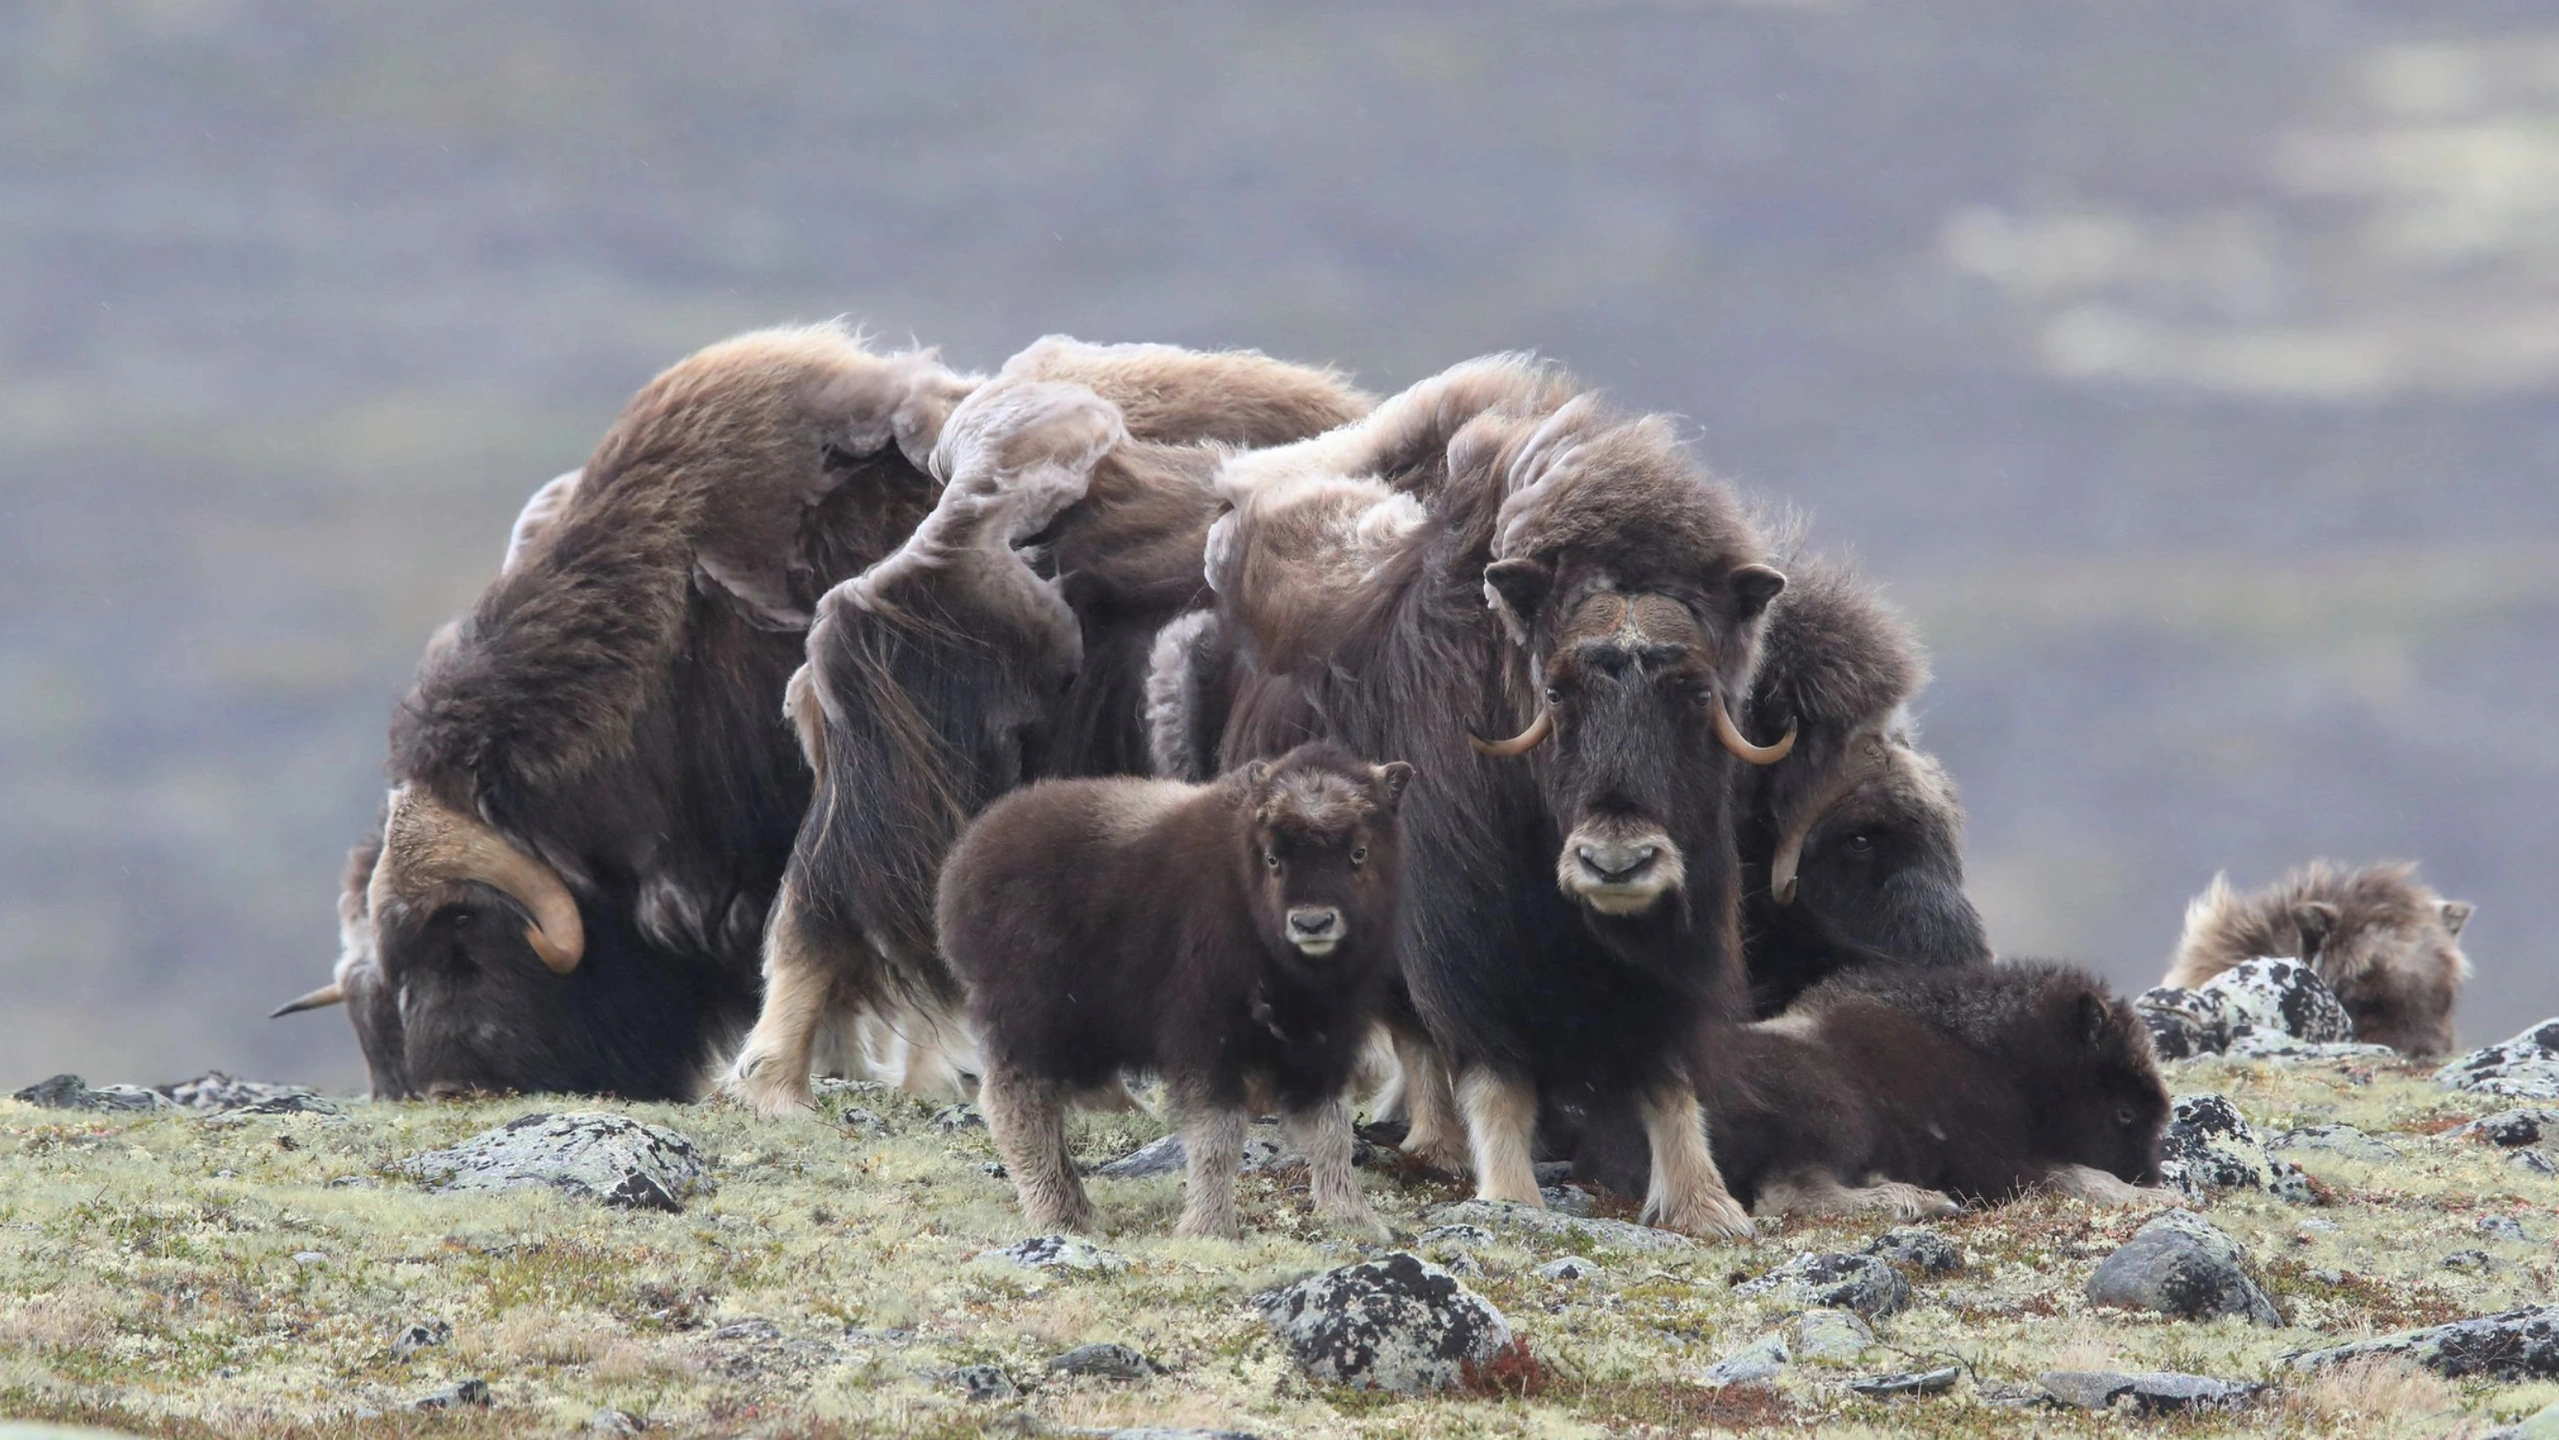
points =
(2189, 370)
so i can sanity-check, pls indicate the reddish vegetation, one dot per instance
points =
(1514, 1373)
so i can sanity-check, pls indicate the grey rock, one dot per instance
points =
(862, 1119)
(307, 1258)
(1551, 1173)
(1756, 1363)
(1568, 1199)
(1455, 1237)
(214, 1092)
(2534, 1162)
(2512, 1129)
(419, 1335)
(2259, 1045)
(1398, 1324)
(1826, 1336)
(473, 1392)
(1571, 1268)
(1909, 1382)
(355, 1182)
(589, 1154)
(1871, 1287)
(1501, 1215)
(983, 1382)
(2183, 1266)
(303, 1103)
(2525, 1067)
(614, 1422)
(70, 1092)
(2147, 1392)
(1925, 1251)
(951, 1119)
(2184, 1023)
(1057, 1252)
(1164, 1156)
(2466, 1261)
(2514, 1346)
(2281, 997)
(2342, 1140)
(2209, 1147)
(1105, 1361)
(2541, 1424)
(1463, 1263)
(752, 1330)
(2504, 1227)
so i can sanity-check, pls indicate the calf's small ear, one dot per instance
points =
(2096, 1017)
(1256, 773)
(1392, 777)
(2318, 921)
(1517, 588)
(2456, 913)
(1754, 586)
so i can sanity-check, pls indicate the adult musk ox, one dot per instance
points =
(1893, 1090)
(2384, 941)
(1494, 550)
(1235, 937)
(1005, 641)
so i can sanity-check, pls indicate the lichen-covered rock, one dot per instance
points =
(1503, 1215)
(591, 1154)
(1105, 1361)
(70, 1092)
(2281, 997)
(303, 1102)
(419, 1335)
(1057, 1252)
(2513, 1346)
(1756, 1363)
(214, 1092)
(2343, 1140)
(2184, 1023)
(2182, 1265)
(2208, 1147)
(2283, 1049)
(1572, 1269)
(1164, 1156)
(1912, 1248)
(2512, 1129)
(1826, 1336)
(2523, 1068)
(2147, 1391)
(1909, 1382)
(473, 1393)
(983, 1382)
(1871, 1287)
(1398, 1324)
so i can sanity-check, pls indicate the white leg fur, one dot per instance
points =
(2098, 1187)
(1501, 1124)
(1323, 1136)
(771, 1073)
(1688, 1192)
(1818, 1192)
(1028, 1120)
(1213, 1146)
(1433, 1132)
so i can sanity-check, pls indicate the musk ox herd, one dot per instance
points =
(1135, 713)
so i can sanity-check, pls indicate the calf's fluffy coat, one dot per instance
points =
(1235, 936)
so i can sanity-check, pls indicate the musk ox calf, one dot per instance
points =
(1905, 1091)
(1235, 936)
(2386, 943)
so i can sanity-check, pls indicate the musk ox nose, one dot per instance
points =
(1616, 863)
(1314, 922)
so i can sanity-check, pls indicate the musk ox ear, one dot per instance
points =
(2318, 921)
(1257, 774)
(1754, 586)
(1516, 589)
(2455, 913)
(1392, 777)
(2096, 1018)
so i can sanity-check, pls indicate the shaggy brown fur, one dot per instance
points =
(2385, 942)
(1626, 592)
(1235, 937)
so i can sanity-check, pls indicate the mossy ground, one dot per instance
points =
(149, 1281)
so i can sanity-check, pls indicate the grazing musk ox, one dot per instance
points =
(1004, 642)
(1235, 937)
(1494, 548)
(2388, 944)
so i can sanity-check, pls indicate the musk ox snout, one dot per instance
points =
(1315, 929)
(1619, 867)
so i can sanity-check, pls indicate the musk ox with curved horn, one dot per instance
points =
(1006, 640)
(1494, 550)
(2386, 942)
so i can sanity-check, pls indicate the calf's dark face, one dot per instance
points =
(1322, 859)
(2106, 1106)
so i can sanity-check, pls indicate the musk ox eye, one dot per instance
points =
(1271, 858)
(1861, 843)
(1359, 855)
(2124, 1115)
(1554, 695)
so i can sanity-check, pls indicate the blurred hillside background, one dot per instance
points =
(2190, 370)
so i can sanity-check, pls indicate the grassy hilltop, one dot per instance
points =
(168, 1275)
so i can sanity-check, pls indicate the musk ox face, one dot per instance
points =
(1322, 852)
(2104, 1103)
(1637, 740)
(1881, 870)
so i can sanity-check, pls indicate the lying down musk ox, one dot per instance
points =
(955, 670)
(1573, 920)
(1235, 937)
(2384, 941)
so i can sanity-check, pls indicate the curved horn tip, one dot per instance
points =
(1520, 744)
(1784, 891)
(1731, 735)
(329, 994)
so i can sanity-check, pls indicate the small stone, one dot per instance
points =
(2146, 1392)
(993, 1171)
(310, 1257)
(2469, 1262)
(2504, 1227)
(1057, 1252)
(2343, 1140)
(1398, 1324)
(1756, 1363)
(2181, 1265)
(1871, 1287)
(1909, 1382)
(214, 1092)
(70, 1092)
(2208, 1147)
(1571, 1269)
(2525, 1067)
(1456, 1237)
(473, 1392)
(592, 1155)
(355, 1182)
(1831, 1337)
(289, 1102)
(1463, 1263)
(419, 1335)
(1569, 1200)
(1501, 1215)
(752, 1330)
(865, 1120)
(951, 1119)
(1925, 1251)
(614, 1422)
(1164, 1156)
(2514, 1346)
(2512, 1129)
(1105, 1361)
(1552, 1173)
(984, 1382)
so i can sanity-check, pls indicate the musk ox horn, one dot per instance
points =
(426, 842)
(1739, 744)
(1519, 744)
(1865, 762)
(329, 994)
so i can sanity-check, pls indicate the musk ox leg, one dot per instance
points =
(1323, 1136)
(1501, 1126)
(1818, 1192)
(2099, 1187)
(1688, 1192)
(1027, 1117)
(771, 1074)
(1434, 1133)
(922, 1050)
(1213, 1145)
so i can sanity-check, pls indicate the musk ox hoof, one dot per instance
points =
(1218, 1228)
(764, 1090)
(1360, 1224)
(1446, 1153)
(1715, 1217)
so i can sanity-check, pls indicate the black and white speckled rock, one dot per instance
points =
(2147, 1391)
(1572, 1269)
(2513, 1129)
(1923, 1251)
(2514, 1346)
(1869, 1286)
(1164, 1156)
(1757, 1363)
(70, 1092)
(1398, 1324)
(214, 1092)
(419, 1335)
(1057, 1252)
(2181, 1265)
(983, 1382)
(1909, 1382)
(473, 1393)
(2184, 1023)
(2523, 1068)
(2281, 997)
(2343, 1140)
(2283, 1049)
(1501, 1215)
(1105, 1361)
(269, 1106)
(591, 1154)
(2209, 1147)
(1825, 1336)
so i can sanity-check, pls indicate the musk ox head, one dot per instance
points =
(1872, 869)
(2388, 944)
(1635, 587)
(2098, 1097)
(1322, 854)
